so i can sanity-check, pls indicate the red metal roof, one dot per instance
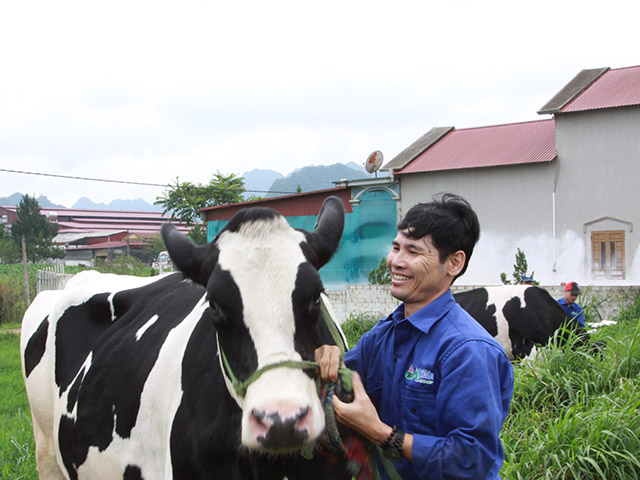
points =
(299, 204)
(102, 245)
(89, 213)
(510, 144)
(616, 88)
(82, 220)
(130, 227)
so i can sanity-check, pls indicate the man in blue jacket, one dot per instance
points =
(568, 302)
(434, 387)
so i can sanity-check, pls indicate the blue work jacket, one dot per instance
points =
(574, 310)
(441, 377)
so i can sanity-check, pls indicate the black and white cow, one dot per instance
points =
(124, 376)
(517, 316)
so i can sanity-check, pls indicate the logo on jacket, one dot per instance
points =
(420, 375)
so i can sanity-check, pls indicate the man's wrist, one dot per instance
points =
(392, 446)
(381, 434)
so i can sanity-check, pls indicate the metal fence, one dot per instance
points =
(51, 278)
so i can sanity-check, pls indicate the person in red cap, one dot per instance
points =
(568, 302)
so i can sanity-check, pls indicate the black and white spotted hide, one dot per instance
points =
(517, 316)
(124, 374)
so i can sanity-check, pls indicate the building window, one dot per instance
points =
(607, 254)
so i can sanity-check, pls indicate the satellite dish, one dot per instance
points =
(374, 162)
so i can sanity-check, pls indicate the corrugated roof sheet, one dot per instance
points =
(571, 90)
(83, 220)
(510, 144)
(416, 148)
(100, 246)
(616, 88)
(299, 204)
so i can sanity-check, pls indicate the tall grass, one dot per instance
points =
(357, 325)
(17, 456)
(12, 299)
(575, 412)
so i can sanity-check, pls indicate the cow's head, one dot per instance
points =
(263, 289)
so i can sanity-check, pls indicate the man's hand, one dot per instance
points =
(361, 415)
(328, 356)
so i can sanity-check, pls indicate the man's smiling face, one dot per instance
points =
(417, 275)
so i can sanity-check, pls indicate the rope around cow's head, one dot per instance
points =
(357, 452)
(240, 387)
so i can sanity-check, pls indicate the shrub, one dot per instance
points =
(357, 325)
(121, 265)
(12, 302)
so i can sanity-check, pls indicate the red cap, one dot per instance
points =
(572, 287)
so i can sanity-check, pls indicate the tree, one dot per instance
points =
(9, 251)
(37, 230)
(198, 234)
(184, 200)
(380, 274)
(519, 269)
(153, 245)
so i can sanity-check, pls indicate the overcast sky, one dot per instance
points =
(151, 91)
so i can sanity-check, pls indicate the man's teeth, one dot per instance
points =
(400, 277)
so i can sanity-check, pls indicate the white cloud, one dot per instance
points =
(146, 91)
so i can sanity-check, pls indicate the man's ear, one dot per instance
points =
(456, 263)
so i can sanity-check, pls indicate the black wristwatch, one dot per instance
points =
(392, 446)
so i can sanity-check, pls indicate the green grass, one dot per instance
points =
(12, 299)
(10, 326)
(357, 325)
(575, 413)
(17, 455)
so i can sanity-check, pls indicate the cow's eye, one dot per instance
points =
(314, 306)
(216, 311)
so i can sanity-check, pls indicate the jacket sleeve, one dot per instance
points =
(470, 407)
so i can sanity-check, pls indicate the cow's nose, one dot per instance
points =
(282, 429)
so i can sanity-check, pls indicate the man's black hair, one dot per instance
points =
(450, 222)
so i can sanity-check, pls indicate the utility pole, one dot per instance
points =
(24, 270)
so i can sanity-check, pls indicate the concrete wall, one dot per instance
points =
(377, 302)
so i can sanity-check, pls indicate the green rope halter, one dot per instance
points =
(240, 387)
(345, 374)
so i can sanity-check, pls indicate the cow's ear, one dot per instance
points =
(325, 238)
(195, 262)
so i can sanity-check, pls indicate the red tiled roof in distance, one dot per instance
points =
(299, 204)
(616, 88)
(510, 144)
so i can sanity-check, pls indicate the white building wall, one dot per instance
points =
(598, 185)
(549, 210)
(515, 209)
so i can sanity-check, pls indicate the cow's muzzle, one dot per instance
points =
(281, 429)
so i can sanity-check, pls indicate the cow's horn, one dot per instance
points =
(325, 238)
(195, 262)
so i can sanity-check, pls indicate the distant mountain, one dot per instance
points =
(317, 178)
(14, 200)
(258, 181)
(137, 205)
(360, 168)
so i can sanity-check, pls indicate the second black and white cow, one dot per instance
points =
(125, 375)
(518, 317)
